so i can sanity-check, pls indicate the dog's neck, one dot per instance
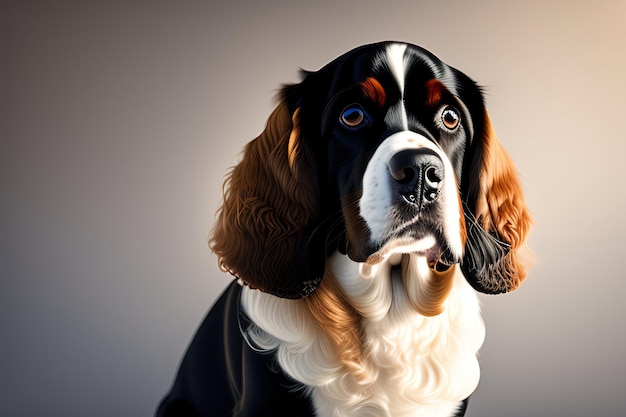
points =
(384, 357)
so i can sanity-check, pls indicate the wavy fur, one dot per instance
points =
(496, 257)
(394, 362)
(270, 203)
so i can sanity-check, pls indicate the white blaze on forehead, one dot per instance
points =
(395, 59)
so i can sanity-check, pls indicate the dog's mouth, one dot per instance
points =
(437, 266)
(424, 268)
(427, 276)
(441, 260)
(440, 265)
(437, 253)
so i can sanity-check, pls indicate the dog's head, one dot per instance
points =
(385, 148)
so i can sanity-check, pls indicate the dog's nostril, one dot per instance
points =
(432, 176)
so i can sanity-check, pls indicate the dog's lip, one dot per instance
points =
(440, 265)
(392, 251)
(428, 247)
(435, 264)
(440, 259)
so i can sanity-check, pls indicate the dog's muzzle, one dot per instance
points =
(418, 176)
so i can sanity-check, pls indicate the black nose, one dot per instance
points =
(418, 176)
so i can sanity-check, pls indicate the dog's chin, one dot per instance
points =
(424, 267)
(437, 252)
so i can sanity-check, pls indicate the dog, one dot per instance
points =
(359, 226)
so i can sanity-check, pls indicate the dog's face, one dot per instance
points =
(385, 147)
(394, 138)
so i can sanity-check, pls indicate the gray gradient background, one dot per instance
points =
(120, 119)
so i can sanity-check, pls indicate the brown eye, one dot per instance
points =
(450, 118)
(352, 116)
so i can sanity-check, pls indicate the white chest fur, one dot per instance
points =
(411, 365)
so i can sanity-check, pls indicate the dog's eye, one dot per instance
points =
(352, 116)
(450, 118)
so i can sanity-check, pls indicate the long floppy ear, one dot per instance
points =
(498, 223)
(263, 233)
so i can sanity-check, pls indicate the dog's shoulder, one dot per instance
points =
(221, 375)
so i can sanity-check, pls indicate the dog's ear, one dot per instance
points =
(265, 225)
(497, 219)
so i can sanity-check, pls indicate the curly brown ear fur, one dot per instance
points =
(269, 211)
(498, 225)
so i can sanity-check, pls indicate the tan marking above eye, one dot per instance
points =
(373, 90)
